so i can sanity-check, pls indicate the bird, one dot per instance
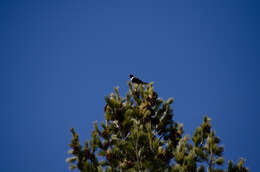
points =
(136, 80)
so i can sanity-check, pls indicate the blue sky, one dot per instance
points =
(58, 59)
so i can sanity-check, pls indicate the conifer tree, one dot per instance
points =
(140, 134)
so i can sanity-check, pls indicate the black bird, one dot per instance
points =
(136, 80)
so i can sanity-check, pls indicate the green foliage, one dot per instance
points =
(139, 134)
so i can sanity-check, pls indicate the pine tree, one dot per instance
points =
(140, 134)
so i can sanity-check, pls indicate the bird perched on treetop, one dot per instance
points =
(136, 80)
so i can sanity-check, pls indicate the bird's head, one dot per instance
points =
(131, 76)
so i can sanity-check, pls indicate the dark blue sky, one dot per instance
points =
(58, 59)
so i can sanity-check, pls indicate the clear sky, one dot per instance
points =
(59, 58)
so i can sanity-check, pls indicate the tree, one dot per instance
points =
(140, 134)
